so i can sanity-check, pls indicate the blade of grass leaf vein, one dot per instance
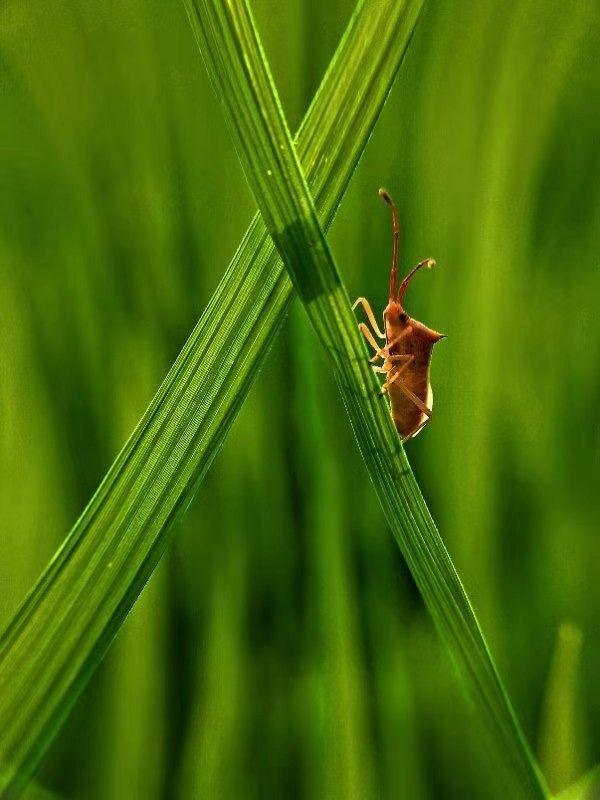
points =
(230, 46)
(65, 625)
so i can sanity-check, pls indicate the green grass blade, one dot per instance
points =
(586, 788)
(64, 627)
(558, 750)
(237, 66)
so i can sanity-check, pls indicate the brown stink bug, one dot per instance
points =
(406, 355)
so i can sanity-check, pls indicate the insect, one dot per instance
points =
(406, 355)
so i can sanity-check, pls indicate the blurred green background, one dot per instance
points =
(281, 649)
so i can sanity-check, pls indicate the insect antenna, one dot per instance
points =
(428, 263)
(385, 196)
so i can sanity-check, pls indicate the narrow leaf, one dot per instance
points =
(64, 627)
(231, 49)
(558, 750)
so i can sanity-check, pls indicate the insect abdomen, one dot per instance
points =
(407, 415)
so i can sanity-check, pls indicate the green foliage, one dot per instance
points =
(559, 737)
(61, 632)
(234, 58)
(584, 789)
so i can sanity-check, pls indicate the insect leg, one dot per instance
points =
(417, 401)
(404, 389)
(385, 350)
(380, 352)
(420, 428)
(410, 395)
(371, 340)
(362, 301)
(407, 360)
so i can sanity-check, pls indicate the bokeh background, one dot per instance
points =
(281, 649)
